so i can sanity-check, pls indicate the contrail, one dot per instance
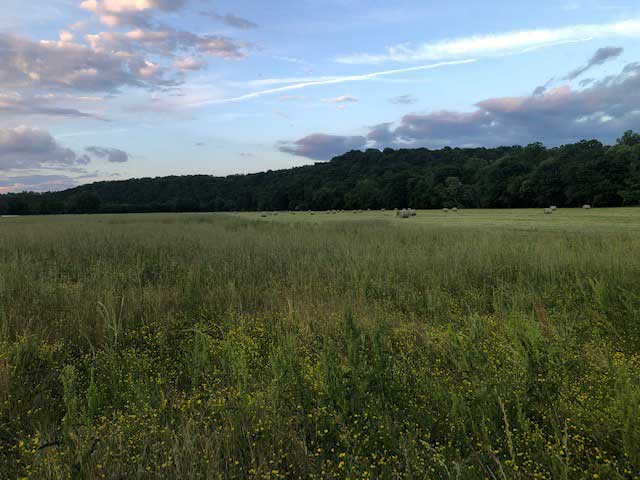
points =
(329, 81)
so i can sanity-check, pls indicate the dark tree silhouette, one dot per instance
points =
(502, 177)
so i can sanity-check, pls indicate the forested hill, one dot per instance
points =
(587, 172)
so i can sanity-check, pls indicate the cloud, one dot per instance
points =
(497, 44)
(24, 148)
(300, 83)
(112, 155)
(218, 46)
(189, 63)
(231, 20)
(166, 42)
(15, 103)
(542, 88)
(381, 134)
(556, 116)
(37, 183)
(340, 99)
(65, 66)
(130, 12)
(404, 100)
(601, 56)
(66, 37)
(319, 146)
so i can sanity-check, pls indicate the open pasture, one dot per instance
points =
(478, 344)
(569, 219)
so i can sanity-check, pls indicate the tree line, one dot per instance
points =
(586, 172)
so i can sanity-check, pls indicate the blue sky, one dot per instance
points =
(112, 89)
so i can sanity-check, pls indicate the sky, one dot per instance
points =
(94, 90)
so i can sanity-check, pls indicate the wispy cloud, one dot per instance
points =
(497, 43)
(601, 56)
(113, 155)
(404, 100)
(340, 99)
(300, 83)
(231, 20)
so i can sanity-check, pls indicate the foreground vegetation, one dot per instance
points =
(491, 345)
(586, 172)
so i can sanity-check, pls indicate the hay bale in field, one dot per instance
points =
(548, 211)
(412, 212)
(404, 213)
(553, 208)
(586, 207)
(445, 210)
(454, 209)
(264, 215)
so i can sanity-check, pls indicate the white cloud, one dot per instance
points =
(496, 44)
(300, 83)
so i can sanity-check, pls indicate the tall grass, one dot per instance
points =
(195, 346)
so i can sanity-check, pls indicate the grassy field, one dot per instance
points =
(470, 345)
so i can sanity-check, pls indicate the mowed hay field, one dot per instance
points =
(470, 345)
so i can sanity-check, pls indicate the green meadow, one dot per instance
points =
(482, 344)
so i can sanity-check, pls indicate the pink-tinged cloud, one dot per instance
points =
(556, 116)
(129, 12)
(69, 66)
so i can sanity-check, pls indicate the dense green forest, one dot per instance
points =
(586, 172)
